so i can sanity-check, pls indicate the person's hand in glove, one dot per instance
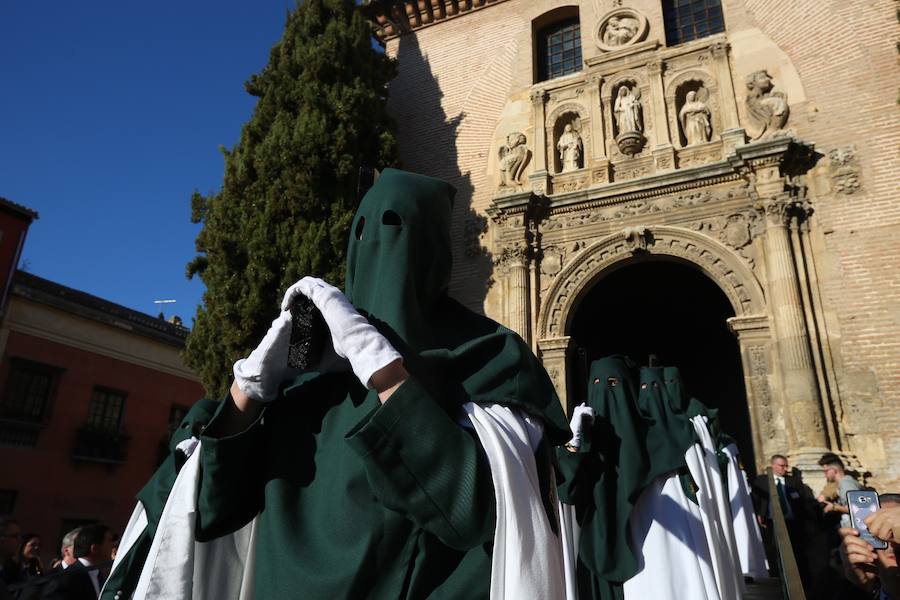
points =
(376, 363)
(581, 416)
(261, 374)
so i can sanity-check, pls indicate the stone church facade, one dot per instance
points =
(755, 141)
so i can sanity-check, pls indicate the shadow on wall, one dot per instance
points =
(427, 139)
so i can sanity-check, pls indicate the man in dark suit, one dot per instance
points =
(84, 578)
(794, 506)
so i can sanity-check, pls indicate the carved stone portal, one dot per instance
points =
(767, 109)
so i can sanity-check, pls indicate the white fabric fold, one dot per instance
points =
(673, 555)
(716, 516)
(751, 553)
(527, 560)
(177, 566)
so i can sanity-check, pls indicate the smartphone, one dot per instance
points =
(308, 329)
(863, 503)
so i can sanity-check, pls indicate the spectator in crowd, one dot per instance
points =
(874, 571)
(793, 507)
(10, 534)
(67, 550)
(83, 579)
(833, 467)
(30, 556)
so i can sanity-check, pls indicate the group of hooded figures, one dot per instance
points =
(653, 493)
(452, 483)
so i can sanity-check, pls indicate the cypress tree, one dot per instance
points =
(290, 185)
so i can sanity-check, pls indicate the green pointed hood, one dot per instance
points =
(398, 273)
(399, 255)
(618, 436)
(669, 433)
(675, 392)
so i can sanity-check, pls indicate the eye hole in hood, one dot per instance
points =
(360, 225)
(391, 218)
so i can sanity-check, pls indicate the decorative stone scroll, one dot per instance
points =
(844, 170)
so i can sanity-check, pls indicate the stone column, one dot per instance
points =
(519, 300)
(799, 385)
(539, 176)
(554, 354)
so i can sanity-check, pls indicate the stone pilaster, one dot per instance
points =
(799, 385)
(539, 178)
(598, 137)
(554, 354)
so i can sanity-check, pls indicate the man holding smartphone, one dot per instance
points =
(833, 467)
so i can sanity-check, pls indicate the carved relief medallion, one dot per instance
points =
(620, 28)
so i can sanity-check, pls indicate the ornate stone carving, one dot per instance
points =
(728, 271)
(625, 173)
(695, 116)
(570, 148)
(629, 119)
(513, 159)
(511, 255)
(640, 207)
(844, 170)
(759, 381)
(736, 231)
(691, 158)
(637, 238)
(620, 28)
(767, 108)
(600, 175)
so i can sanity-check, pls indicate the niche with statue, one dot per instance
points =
(628, 117)
(695, 116)
(569, 154)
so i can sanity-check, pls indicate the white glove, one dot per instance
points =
(354, 338)
(582, 413)
(260, 374)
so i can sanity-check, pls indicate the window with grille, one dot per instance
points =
(559, 49)
(28, 391)
(105, 410)
(687, 20)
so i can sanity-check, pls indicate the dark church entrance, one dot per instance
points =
(674, 311)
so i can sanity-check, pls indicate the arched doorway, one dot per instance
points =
(668, 307)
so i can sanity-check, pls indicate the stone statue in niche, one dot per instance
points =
(570, 149)
(695, 116)
(767, 109)
(627, 110)
(513, 158)
(620, 30)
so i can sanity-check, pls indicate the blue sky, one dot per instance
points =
(111, 113)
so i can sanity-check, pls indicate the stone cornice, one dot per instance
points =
(393, 18)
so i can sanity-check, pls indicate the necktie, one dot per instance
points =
(783, 500)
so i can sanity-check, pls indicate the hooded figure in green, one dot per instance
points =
(605, 477)
(355, 498)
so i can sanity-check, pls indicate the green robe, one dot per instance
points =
(362, 500)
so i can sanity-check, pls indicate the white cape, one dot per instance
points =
(673, 555)
(750, 549)
(715, 513)
(527, 559)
